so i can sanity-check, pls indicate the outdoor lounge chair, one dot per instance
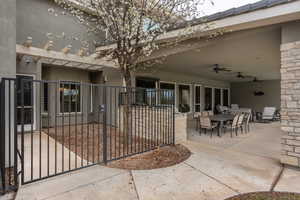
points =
(268, 114)
(205, 123)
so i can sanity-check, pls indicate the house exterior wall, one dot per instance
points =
(290, 103)
(242, 93)
(88, 99)
(291, 32)
(7, 67)
(8, 38)
(44, 20)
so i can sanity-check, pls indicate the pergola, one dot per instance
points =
(63, 57)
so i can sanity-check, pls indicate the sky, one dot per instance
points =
(221, 5)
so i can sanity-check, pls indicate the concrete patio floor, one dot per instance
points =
(213, 172)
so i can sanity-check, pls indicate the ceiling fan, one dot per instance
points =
(256, 80)
(217, 69)
(240, 75)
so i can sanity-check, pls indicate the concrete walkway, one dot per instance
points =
(212, 172)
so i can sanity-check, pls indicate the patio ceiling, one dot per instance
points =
(255, 54)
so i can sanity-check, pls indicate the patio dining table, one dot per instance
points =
(221, 119)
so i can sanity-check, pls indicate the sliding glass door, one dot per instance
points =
(218, 97)
(197, 98)
(225, 97)
(184, 98)
(145, 94)
(166, 93)
(208, 99)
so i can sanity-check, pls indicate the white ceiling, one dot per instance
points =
(256, 54)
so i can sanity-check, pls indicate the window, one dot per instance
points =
(217, 97)
(225, 97)
(184, 98)
(146, 91)
(70, 99)
(197, 98)
(167, 93)
(25, 91)
(208, 99)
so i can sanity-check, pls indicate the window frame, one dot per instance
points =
(190, 96)
(228, 99)
(138, 88)
(195, 103)
(212, 98)
(59, 97)
(175, 95)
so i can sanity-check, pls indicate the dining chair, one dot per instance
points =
(247, 118)
(241, 122)
(197, 118)
(233, 126)
(205, 123)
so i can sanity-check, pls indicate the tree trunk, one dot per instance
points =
(127, 112)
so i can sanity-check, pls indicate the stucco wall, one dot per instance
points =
(291, 32)
(8, 68)
(8, 38)
(64, 74)
(35, 20)
(243, 94)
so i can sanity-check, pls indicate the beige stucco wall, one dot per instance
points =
(65, 74)
(181, 128)
(243, 94)
(291, 32)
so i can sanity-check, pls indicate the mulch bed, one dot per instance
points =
(9, 176)
(86, 141)
(159, 158)
(267, 196)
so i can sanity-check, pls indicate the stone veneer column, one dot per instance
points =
(290, 103)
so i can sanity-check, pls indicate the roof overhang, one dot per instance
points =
(259, 18)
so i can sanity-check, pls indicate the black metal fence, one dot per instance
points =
(53, 127)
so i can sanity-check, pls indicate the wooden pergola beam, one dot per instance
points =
(70, 58)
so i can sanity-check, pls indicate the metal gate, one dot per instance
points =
(52, 127)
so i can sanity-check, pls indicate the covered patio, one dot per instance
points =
(241, 68)
(263, 140)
